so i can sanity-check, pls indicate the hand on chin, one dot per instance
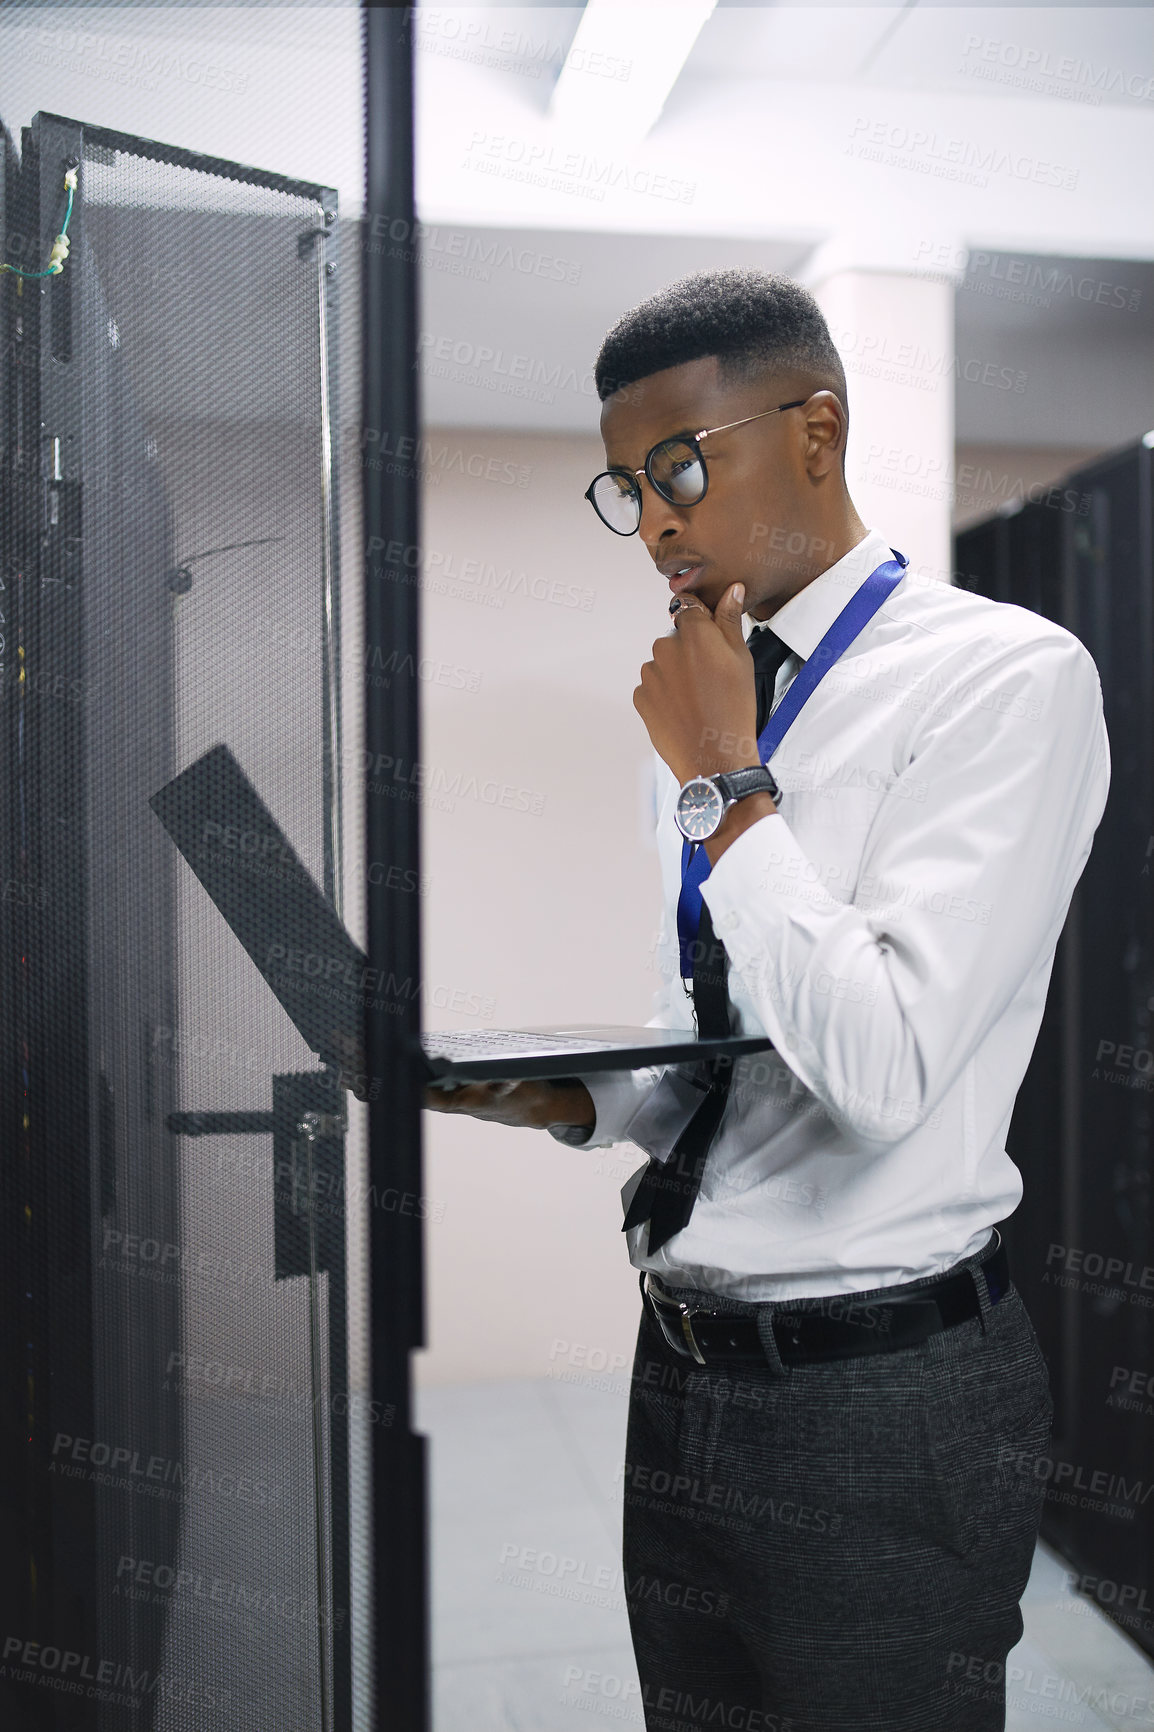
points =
(707, 598)
(697, 696)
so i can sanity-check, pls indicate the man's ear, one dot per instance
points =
(826, 426)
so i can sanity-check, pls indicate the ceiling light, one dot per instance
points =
(624, 60)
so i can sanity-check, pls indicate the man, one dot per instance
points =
(837, 1392)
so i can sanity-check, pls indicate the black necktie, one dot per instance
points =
(768, 654)
(668, 1189)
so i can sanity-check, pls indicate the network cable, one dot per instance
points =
(60, 245)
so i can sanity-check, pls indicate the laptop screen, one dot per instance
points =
(276, 909)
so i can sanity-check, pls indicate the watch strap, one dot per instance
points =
(739, 784)
(575, 1135)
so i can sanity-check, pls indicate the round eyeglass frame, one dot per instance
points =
(693, 441)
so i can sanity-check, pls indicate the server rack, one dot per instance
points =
(1082, 1241)
(121, 1124)
(79, 1092)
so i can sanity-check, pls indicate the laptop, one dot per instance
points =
(322, 979)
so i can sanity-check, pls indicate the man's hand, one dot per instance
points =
(533, 1105)
(697, 696)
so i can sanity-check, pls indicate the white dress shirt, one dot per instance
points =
(891, 929)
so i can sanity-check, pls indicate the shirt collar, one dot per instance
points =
(804, 619)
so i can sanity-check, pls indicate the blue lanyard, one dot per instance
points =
(859, 609)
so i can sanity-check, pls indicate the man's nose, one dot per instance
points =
(658, 517)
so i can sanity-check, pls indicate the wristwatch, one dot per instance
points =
(704, 800)
(575, 1135)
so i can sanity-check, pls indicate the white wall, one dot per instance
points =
(531, 916)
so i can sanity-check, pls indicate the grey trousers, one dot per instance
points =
(837, 1547)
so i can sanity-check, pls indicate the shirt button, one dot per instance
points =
(728, 921)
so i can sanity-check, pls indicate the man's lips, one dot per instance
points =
(678, 579)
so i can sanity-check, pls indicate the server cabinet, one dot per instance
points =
(1082, 1240)
(175, 1406)
(86, 1157)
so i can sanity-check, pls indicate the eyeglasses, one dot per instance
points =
(676, 470)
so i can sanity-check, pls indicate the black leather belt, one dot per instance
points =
(840, 1325)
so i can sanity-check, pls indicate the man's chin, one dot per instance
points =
(709, 594)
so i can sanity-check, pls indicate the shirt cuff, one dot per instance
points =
(617, 1094)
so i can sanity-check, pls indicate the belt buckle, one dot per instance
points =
(685, 1314)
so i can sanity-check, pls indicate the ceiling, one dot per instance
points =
(913, 128)
(511, 320)
(1097, 54)
(770, 130)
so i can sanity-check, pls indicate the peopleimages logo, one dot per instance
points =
(570, 170)
(127, 62)
(1037, 69)
(464, 254)
(476, 579)
(1125, 1596)
(405, 454)
(84, 1675)
(530, 1566)
(482, 42)
(484, 363)
(683, 1493)
(192, 1374)
(668, 1707)
(1073, 1260)
(1045, 1693)
(159, 1583)
(435, 779)
(960, 159)
(1132, 1066)
(154, 1475)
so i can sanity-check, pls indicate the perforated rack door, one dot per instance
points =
(176, 1396)
(1082, 1125)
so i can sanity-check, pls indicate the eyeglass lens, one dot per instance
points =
(677, 472)
(617, 501)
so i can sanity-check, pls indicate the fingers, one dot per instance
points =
(466, 1097)
(449, 1097)
(727, 613)
(686, 605)
(650, 678)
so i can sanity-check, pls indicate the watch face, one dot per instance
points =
(699, 808)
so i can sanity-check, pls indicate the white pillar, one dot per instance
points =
(892, 321)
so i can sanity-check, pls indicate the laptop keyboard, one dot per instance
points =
(464, 1043)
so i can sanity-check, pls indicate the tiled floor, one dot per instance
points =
(530, 1632)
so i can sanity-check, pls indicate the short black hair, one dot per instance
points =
(751, 320)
